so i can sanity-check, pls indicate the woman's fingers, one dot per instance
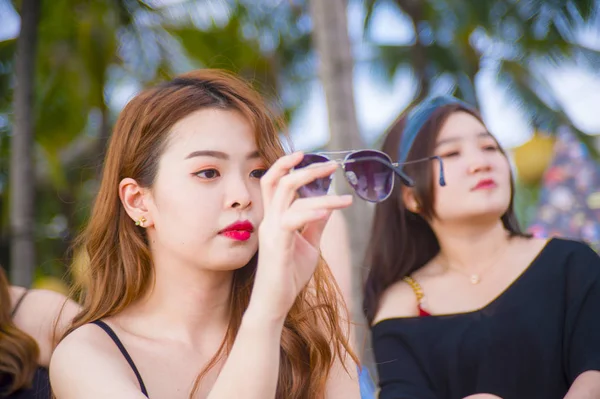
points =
(288, 185)
(306, 210)
(313, 231)
(279, 169)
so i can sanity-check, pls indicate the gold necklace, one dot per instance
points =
(475, 278)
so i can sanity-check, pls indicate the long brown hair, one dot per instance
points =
(119, 263)
(18, 351)
(402, 242)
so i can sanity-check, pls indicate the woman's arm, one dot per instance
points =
(343, 380)
(252, 366)
(256, 353)
(335, 247)
(585, 386)
(289, 240)
(45, 316)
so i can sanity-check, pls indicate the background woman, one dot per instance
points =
(461, 302)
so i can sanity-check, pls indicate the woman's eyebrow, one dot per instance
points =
(218, 154)
(455, 139)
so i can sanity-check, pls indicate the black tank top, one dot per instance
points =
(40, 387)
(124, 352)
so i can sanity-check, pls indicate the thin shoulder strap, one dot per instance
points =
(124, 352)
(416, 287)
(18, 303)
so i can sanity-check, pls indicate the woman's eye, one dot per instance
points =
(450, 154)
(208, 174)
(491, 148)
(258, 173)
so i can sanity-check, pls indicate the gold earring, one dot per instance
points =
(417, 208)
(140, 222)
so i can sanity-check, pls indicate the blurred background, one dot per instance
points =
(340, 71)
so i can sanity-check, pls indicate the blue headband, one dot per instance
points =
(417, 117)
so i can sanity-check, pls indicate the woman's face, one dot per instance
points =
(205, 205)
(477, 173)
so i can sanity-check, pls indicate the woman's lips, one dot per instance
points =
(485, 185)
(238, 235)
(239, 231)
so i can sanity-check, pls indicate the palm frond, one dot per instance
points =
(527, 92)
(369, 9)
(389, 59)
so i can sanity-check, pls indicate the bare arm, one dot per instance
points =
(343, 380)
(289, 240)
(45, 316)
(335, 247)
(257, 347)
(585, 386)
(254, 359)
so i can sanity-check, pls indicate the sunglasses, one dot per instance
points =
(369, 172)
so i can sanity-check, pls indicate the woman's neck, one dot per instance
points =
(467, 247)
(185, 303)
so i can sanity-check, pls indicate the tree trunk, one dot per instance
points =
(22, 181)
(331, 40)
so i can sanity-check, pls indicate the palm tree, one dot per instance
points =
(330, 32)
(454, 39)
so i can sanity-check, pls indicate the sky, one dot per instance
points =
(378, 104)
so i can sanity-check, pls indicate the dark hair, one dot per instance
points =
(402, 242)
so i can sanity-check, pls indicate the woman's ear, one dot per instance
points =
(410, 200)
(134, 199)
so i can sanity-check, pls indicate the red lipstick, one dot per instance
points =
(240, 231)
(485, 184)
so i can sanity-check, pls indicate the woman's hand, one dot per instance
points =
(289, 234)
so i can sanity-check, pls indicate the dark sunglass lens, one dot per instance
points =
(310, 159)
(316, 187)
(372, 180)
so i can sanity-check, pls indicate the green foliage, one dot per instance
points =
(87, 47)
(453, 38)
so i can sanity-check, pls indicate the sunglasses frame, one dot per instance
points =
(396, 167)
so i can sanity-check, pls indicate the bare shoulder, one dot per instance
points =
(46, 302)
(533, 245)
(525, 250)
(16, 292)
(88, 364)
(45, 315)
(398, 300)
